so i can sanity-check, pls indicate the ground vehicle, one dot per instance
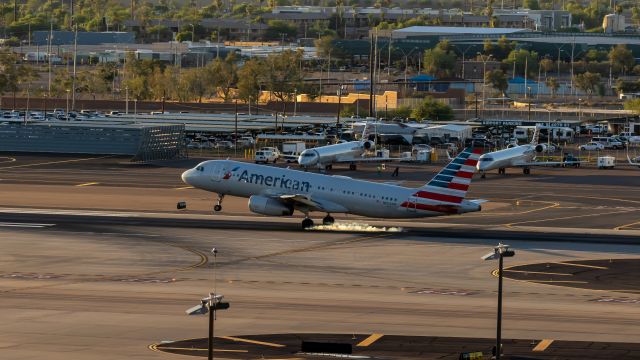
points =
(591, 146)
(265, 156)
(272, 149)
(293, 147)
(419, 147)
(222, 145)
(606, 162)
(570, 160)
(246, 141)
(608, 142)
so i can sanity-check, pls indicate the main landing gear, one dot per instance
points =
(307, 223)
(218, 206)
(502, 171)
(526, 171)
(328, 220)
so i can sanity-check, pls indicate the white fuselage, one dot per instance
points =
(506, 158)
(327, 155)
(342, 193)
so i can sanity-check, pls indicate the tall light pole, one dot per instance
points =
(193, 33)
(67, 114)
(484, 60)
(499, 252)
(210, 305)
(340, 89)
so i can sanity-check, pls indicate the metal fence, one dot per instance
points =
(142, 142)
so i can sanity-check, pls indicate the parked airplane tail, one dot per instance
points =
(536, 136)
(450, 185)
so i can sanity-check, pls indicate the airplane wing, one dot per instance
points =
(313, 204)
(367, 159)
(632, 162)
(550, 163)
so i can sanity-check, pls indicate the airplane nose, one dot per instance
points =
(186, 176)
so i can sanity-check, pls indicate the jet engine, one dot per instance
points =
(541, 148)
(368, 145)
(269, 206)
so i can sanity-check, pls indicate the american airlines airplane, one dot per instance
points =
(278, 192)
(516, 156)
(346, 152)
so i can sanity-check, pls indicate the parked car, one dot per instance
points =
(570, 160)
(274, 150)
(419, 147)
(591, 146)
(609, 142)
(265, 156)
(224, 145)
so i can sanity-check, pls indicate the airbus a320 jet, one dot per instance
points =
(279, 192)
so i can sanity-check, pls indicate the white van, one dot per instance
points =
(265, 156)
(608, 142)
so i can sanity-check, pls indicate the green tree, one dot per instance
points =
(500, 49)
(546, 65)
(497, 79)
(251, 78)
(277, 28)
(223, 75)
(621, 59)
(432, 109)
(531, 4)
(587, 82)
(441, 60)
(633, 105)
(553, 85)
(283, 74)
(523, 59)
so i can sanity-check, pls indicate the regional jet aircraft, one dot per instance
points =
(350, 152)
(278, 192)
(517, 156)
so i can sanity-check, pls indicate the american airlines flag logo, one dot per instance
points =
(228, 175)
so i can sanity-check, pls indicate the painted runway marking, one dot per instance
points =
(543, 345)
(185, 188)
(249, 341)
(614, 300)
(53, 162)
(370, 340)
(537, 272)
(88, 184)
(621, 227)
(582, 265)
(25, 225)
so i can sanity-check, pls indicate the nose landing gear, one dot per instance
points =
(218, 205)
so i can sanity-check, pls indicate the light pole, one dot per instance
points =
(340, 89)
(126, 100)
(210, 305)
(529, 104)
(193, 33)
(579, 111)
(499, 252)
(68, 91)
(484, 60)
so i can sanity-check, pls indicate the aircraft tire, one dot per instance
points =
(352, 167)
(217, 208)
(307, 223)
(328, 220)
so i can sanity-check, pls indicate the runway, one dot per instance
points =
(103, 270)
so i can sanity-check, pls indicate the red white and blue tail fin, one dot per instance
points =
(450, 185)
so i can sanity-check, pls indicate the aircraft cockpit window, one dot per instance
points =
(308, 155)
(486, 159)
(200, 168)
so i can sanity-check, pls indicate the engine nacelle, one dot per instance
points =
(269, 206)
(368, 145)
(541, 148)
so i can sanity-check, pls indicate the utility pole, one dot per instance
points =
(235, 142)
(75, 58)
(371, 65)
